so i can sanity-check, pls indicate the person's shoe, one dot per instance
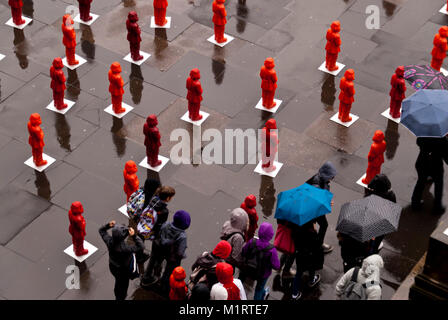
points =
(326, 248)
(438, 208)
(148, 282)
(297, 296)
(288, 273)
(266, 294)
(314, 281)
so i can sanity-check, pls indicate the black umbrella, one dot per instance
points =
(369, 217)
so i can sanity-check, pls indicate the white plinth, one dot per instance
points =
(31, 163)
(22, 26)
(387, 115)
(361, 183)
(144, 164)
(445, 232)
(229, 39)
(88, 23)
(124, 210)
(92, 249)
(273, 110)
(443, 10)
(335, 73)
(204, 115)
(345, 124)
(2, 56)
(110, 110)
(444, 71)
(80, 59)
(62, 111)
(278, 166)
(166, 26)
(139, 62)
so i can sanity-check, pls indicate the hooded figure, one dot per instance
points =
(397, 92)
(234, 287)
(269, 145)
(84, 10)
(16, 11)
(201, 292)
(116, 84)
(58, 83)
(249, 205)
(369, 274)
(219, 20)
(152, 140)
(268, 83)
(381, 186)
(160, 12)
(333, 46)
(77, 228)
(69, 39)
(375, 156)
(134, 35)
(346, 97)
(233, 231)
(194, 95)
(178, 288)
(440, 47)
(36, 139)
(131, 182)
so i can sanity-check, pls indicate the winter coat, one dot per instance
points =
(370, 271)
(249, 206)
(333, 45)
(200, 292)
(268, 78)
(172, 242)
(433, 151)
(15, 3)
(233, 231)
(234, 287)
(380, 186)
(353, 251)
(161, 208)
(308, 247)
(322, 179)
(160, 4)
(219, 13)
(208, 262)
(178, 288)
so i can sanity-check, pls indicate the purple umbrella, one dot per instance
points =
(425, 77)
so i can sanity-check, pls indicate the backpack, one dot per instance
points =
(147, 222)
(135, 204)
(355, 290)
(230, 235)
(254, 260)
(134, 271)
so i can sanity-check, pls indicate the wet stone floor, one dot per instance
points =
(91, 147)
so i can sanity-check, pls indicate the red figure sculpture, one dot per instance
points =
(346, 97)
(36, 139)
(219, 19)
(134, 35)
(249, 205)
(397, 92)
(152, 140)
(16, 11)
(130, 178)
(375, 157)
(268, 83)
(58, 83)
(194, 95)
(84, 10)
(333, 46)
(69, 39)
(160, 12)
(77, 228)
(440, 46)
(116, 84)
(269, 145)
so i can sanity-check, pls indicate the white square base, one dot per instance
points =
(387, 115)
(360, 181)
(273, 110)
(110, 110)
(166, 26)
(444, 71)
(445, 232)
(204, 115)
(22, 26)
(443, 10)
(63, 111)
(80, 59)
(30, 162)
(139, 62)
(94, 17)
(124, 210)
(345, 124)
(2, 56)
(335, 73)
(144, 164)
(229, 39)
(278, 166)
(92, 249)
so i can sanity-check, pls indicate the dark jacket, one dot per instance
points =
(172, 242)
(354, 252)
(309, 252)
(208, 262)
(381, 186)
(162, 213)
(433, 151)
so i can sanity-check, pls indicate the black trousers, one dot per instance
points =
(121, 282)
(423, 176)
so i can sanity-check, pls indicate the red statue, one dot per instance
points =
(219, 19)
(375, 157)
(84, 10)
(178, 287)
(194, 95)
(268, 83)
(397, 92)
(36, 139)
(131, 182)
(269, 145)
(440, 46)
(134, 35)
(333, 46)
(249, 205)
(346, 97)
(69, 39)
(116, 84)
(77, 228)
(16, 11)
(58, 83)
(152, 140)
(160, 12)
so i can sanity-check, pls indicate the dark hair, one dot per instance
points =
(150, 189)
(165, 192)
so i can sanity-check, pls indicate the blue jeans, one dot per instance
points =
(259, 289)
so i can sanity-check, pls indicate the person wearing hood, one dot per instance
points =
(178, 288)
(201, 292)
(249, 205)
(353, 252)
(268, 260)
(381, 186)
(369, 274)
(233, 231)
(120, 254)
(234, 287)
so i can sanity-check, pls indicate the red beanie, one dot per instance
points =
(222, 249)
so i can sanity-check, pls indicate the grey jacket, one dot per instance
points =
(233, 231)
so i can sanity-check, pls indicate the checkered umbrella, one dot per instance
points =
(369, 217)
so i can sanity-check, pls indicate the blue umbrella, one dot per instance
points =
(425, 113)
(303, 204)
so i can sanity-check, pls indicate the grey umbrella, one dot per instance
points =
(369, 217)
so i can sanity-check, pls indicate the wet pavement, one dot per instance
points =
(91, 147)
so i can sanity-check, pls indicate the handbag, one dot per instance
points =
(148, 219)
(283, 241)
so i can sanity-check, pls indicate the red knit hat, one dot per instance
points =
(222, 249)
